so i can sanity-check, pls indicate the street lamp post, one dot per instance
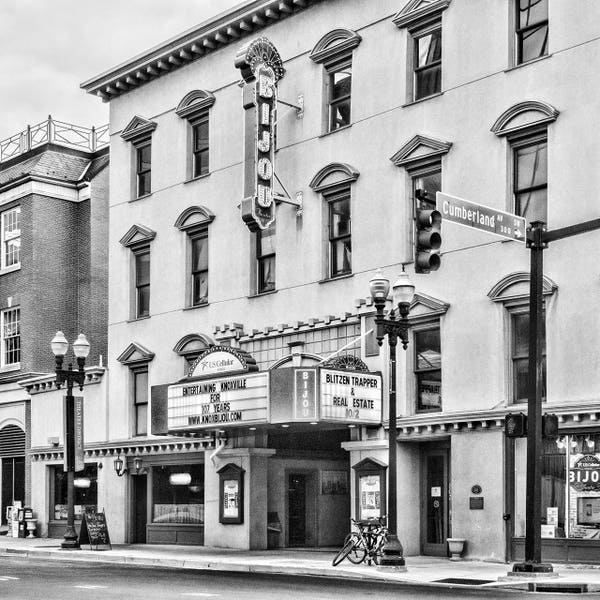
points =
(395, 327)
(81, 349)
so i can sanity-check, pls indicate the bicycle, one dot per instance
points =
(364, 543)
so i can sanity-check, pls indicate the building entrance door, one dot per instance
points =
(13, 482)
(297, 509)
(434, 501)
(140, 508)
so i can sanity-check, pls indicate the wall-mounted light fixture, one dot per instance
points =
(119, 464)
(82, 482)
(138, 466)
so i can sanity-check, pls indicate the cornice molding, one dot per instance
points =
(180, 346)
(47, 382)
(334, 45)
(500, 291)
(210, 36)
(135, 354)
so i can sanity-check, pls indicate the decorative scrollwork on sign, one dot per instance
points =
(346, 362)
(252, 55)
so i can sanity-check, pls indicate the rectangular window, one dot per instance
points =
(340, 84)
(143, 169)
(140, 401)
(200, 148)
(142, 283)
(428, 369)
(11, 337)
(530, 169)
(340, 241)
(84, 496)
(520, 356)
(427, 61)
(11, 237)
(178, 494)
(531, 29)
(199, 271)
(265, 259)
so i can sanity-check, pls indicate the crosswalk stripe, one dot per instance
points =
(91, 587)
(9, 578)
(200, 594)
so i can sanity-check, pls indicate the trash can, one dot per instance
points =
(273, 530)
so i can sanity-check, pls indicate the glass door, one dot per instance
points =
(434, 502)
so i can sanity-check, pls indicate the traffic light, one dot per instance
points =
(515, 425)
(550, 426)
(428, 238)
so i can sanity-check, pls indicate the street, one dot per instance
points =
(25, 579)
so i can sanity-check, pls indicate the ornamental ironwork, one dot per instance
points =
(346, 362)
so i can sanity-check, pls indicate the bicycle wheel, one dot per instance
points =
(358, 552)
(351, 540)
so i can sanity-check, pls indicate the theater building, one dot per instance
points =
(264, 165)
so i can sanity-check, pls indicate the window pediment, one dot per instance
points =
(426, 308)
(420, 149)
(516, 287)
(193, 343)
(137, 129)
(524, 115)
(333, 176)
(334, 45)
(135, 354)
(194, 104)
(416, 12)
(137, 234)
(194, 216)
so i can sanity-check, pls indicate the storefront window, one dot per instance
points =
(178, 494)
(86, 491)
(570, 487)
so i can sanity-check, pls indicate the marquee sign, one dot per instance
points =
(221, 359)
(239, 400)
(260, 63)
(347, 396)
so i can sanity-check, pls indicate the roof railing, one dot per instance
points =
(55, 132)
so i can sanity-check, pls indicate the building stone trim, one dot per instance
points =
(337, 44)
(47, 382)
(195, 104)
(417, 12)
(524, 115)
(420, 149)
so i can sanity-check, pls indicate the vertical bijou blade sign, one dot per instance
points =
(261, 67)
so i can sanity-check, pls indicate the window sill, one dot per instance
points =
(141, 197)
(135, 319)
(337, 278)
(192, 179)
(195, 306)
(10, 368)
(426, 411)
(423, 99)
(10, 269)
(529, 62)
(335, 130)
(260, 294)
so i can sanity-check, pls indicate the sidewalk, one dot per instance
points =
(421, 570)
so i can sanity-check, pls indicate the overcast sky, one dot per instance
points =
(49, 47)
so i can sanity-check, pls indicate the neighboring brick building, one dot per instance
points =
(53, 270)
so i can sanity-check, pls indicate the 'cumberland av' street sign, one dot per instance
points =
(469, 214)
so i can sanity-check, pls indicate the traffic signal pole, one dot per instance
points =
(537, 242)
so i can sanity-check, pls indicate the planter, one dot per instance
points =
(456, 547)
(31, 525)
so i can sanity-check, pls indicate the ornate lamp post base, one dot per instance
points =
(393, 554)
(70, 542)
(529, 568)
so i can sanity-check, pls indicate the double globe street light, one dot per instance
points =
(395, 326)
(81, 349)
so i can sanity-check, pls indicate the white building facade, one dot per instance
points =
(379, 102)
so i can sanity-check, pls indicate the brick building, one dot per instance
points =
(53, 271)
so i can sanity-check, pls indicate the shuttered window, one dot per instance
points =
(12, 441)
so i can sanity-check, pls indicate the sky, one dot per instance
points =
(49, 47)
